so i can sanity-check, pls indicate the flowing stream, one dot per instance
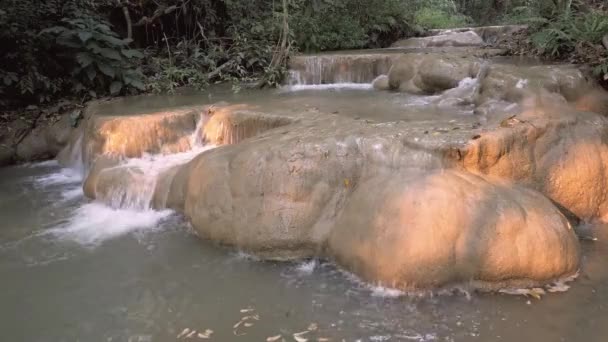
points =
(73, 269)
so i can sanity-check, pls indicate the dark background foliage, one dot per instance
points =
(84, 49)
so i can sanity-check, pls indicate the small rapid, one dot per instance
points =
(126, 207)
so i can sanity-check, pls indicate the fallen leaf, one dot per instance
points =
(206, 334)
(246, 310)
(273, 338)
(191, 334)
(248, 325)
(313, 327)
(183, 333)
(298, 336)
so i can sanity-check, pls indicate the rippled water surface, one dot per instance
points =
(75, 270)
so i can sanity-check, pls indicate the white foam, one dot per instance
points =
(307, 267)
(385, 292)
(72, 193)
(154, 164)
(63, 176)
(93, 223)
(47, 163)
(336, 86)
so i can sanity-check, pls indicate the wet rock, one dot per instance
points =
(7, 155)
(430, 73)
(100, 164)
(467, 38)
(228, 125)
(381, 83)
(133, 135)
(552, 148)
(35, 146)
(58, 134)
(513, 83)
(417, 231)
(489, 34)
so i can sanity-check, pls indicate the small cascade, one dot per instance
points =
(134, 180)
(343, 69)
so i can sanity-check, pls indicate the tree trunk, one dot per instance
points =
(125, 10)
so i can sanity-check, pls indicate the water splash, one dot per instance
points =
(339, 69)
(93, 223)
(331, 86)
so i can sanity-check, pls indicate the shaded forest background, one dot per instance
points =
(85, 49)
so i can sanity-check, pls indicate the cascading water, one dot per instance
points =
(143, 173)
(337, 71)
(127, 205)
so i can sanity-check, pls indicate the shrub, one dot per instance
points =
(433, 18)
(349, 24)
(95, 56)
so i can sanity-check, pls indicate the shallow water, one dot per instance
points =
(355, 100)
(73, 270)
(76, 270)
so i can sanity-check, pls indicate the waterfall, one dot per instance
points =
(343, 69)
(134, 180)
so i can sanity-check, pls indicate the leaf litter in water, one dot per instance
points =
(206, 334)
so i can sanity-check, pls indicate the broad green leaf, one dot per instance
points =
(138, 84)
(115, 87)
(84, 59)
(91, 73)
(53, 30)
(68, 42)
(112, 54)
(132, 53)
(113, 41)
(93, 46)
(84, 36)
(106, 69)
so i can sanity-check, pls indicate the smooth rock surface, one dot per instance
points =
(418, 230)
(431, 73)
(457, 39)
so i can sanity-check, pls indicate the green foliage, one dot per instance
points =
(434, 18)
(564, 33)
(349, 24)
(97, 58)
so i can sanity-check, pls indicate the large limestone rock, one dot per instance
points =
(466, 38)
(24, 143)
(341, 188)
(431, 73)
(430, 230)
(489, 34)
(550, 147)
(513, 83)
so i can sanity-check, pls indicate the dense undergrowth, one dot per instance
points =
(86, 49)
